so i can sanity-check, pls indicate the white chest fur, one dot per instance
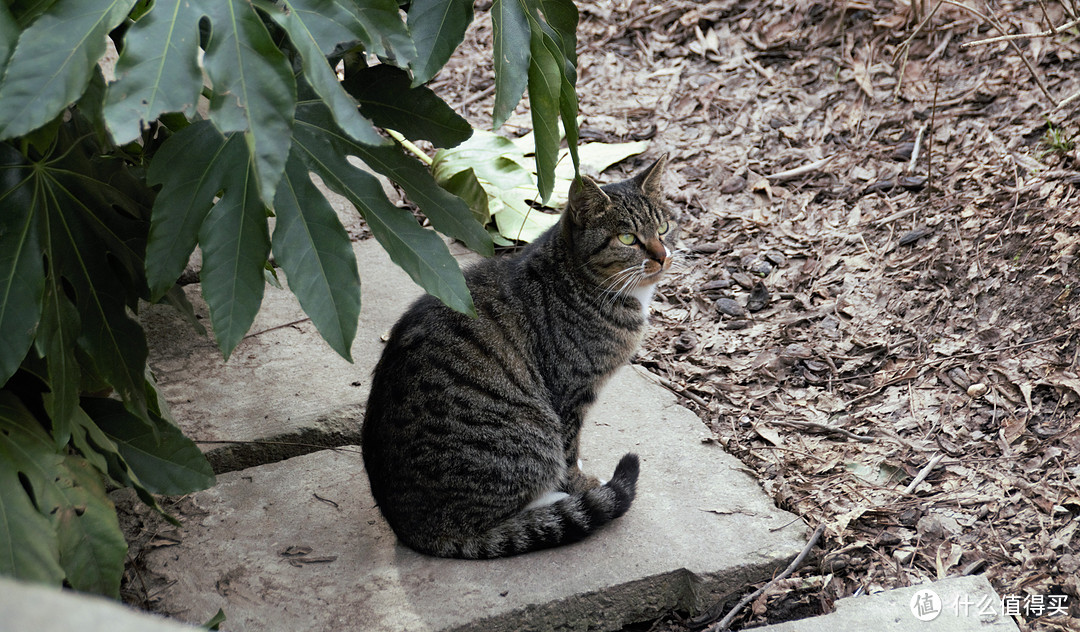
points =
(644, 295)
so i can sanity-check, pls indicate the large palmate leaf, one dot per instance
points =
(254, 91)
(387, 98)
(53, 60)
(313, 248)
(90, 230)
(158, 69)
(419, 251)
(316, 27)
(437, 27)
(163, 459)
(80, 526)
(194, 166)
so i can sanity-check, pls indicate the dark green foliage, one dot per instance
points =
(107, 189)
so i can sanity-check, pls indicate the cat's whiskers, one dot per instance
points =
(621, 283)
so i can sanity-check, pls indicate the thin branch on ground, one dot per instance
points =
(1017, 36)
(725, 623)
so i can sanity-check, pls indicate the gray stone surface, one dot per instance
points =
(283, 383)
(700, 527)
(33, 608)
(965, 604)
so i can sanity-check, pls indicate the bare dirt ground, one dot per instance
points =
(907, 304)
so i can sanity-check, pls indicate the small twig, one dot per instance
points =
(798, 423)
(275, 327)
(678, 390)
(724, 623)
(1001, 29)
(803, 170)
(1068, 100)
(923, 473)
(930, 140)
(475, 97)
(1016, 36)
(916, 148)
(906, 47)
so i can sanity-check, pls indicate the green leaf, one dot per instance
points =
(420, 252)
(386, 97)
(158, 69)
(194, 165)
(22, 276)
(56, 342)
(465, 185)
(64, 489)
(545, 90)
(254, 88)
(29, 549)
(53, 61)
(437, 27)
(315, 27)
(387, 36)
(235, 243)
(215, 621)
(92, 547)
(165, 461)
(9, 34)
(93, 244)
(511, 57)
(313, 248)
(449, 214)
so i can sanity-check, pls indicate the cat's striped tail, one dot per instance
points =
(567, 520)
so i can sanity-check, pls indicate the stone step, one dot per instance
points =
(956, 604)
(299, 545)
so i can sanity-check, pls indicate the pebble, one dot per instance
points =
(976, 390)
(759, 297)
(730, 307)
(743, 279)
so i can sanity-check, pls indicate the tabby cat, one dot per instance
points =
(471, 435)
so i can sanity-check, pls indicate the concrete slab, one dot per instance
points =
(283, 385)
(26, 607)
(956, 604)
(299, 545)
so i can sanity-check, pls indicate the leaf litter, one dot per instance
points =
(905, 212)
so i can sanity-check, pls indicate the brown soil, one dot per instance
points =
(904, 312)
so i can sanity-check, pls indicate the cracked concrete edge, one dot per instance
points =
(325, 432)
(617, 607)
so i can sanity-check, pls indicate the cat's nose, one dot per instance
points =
(657, 251)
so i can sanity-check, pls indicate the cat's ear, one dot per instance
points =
(649, 180)
(585, 194)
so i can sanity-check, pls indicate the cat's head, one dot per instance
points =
(622, 233)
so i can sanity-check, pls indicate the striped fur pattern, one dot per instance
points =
(470, 438)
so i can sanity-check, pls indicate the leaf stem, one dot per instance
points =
(407, 144)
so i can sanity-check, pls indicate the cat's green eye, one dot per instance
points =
(664, 228)
(628, 238)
